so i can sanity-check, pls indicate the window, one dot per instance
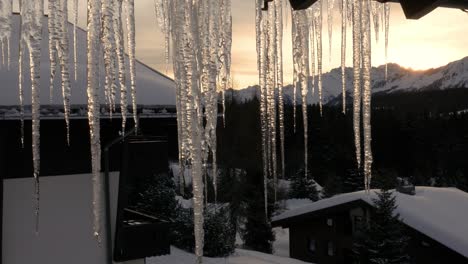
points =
(312, 245)
(331, 249)
(329, 222)
(358, 223)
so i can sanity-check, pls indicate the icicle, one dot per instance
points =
(93, 43)
(295, 81)
(300, 32)
(2, 46)
(387, 30)
(317, 11)
(271, 97)
(6, 28)
(163, 20)
(261, 61)
(357, 78)
(130, 15)
(343, 51)
(20, 77)
(119, 42)
(330, 6)
(312, 48)
(75, 23)
(226, 45)
(53, 43)
(376, 18)
(31, 33)
(279, 78)
(63, 57)
(367, 92)
(8, 53)
(199, 29)
(109, 47)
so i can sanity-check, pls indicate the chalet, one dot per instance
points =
(65, 218)
(435, 219)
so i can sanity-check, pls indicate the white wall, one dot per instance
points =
(66, 232)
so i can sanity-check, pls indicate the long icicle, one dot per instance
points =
(93, 54)
(31, 34)
(20, 76)
(343, 51)
(330, 7)
(271, 87)
(357, 78)
(53, 43)
(119, 41)
(109, 47)
(130, 17)
(75, 23)
(367, 92)
(300, 33)
(279, 79)
(64, 60)
(318, 19)
(295, 83)
(387, 31)
(260, 40)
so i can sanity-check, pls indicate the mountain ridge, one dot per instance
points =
(400, 79)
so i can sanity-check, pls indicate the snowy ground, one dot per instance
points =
(239, 257)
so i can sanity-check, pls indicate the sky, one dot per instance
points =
(433, 41)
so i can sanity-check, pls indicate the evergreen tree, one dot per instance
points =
(333, 186)
(383, 240)
(220, 233)
(159, 198)
(353, 180)
(303, 187)
(257, 232)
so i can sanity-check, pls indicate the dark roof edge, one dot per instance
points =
(285, 221)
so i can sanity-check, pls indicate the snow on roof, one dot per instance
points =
(153, 87)
(440, 213)
(241, 256)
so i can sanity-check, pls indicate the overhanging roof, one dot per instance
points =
(414, 9)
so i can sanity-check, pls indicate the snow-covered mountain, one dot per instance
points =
(400, 79)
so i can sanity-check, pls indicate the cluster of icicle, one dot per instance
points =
(307, 28)
(105, 39)
(201, 34)
(362, 12)
(5, 30)
(269, 29)
(105, 33)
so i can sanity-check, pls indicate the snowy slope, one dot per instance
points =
(440, 213)
(239, 257)
(152, 87)
(453, 75)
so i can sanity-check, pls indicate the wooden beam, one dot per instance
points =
(417, 9)
(301, 4)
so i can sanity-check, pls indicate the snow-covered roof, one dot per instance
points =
(440, 213)
(153, 87)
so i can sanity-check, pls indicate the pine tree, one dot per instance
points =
(383, 240)
(303, 187)
(333, 186)
(353, 180)
(257, 232)
(159, 198)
